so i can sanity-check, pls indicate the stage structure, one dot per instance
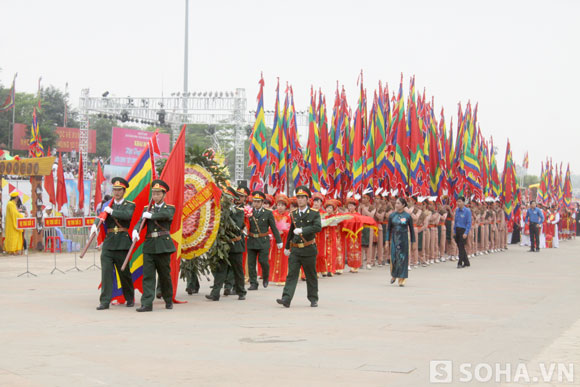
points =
(223, 107)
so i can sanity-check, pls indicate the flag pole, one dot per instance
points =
(141, 226)
(11, 139)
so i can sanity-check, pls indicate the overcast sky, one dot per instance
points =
(519, 59)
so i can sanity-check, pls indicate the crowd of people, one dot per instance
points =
(545, 226)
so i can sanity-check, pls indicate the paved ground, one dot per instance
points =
(509, 308)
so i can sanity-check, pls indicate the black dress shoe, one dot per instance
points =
(537, 250)
(144, 308)
(531, 250)
(159, 296)
(103, 307)
(282, 302)
(266, 283)
(130, 304)
(314, 304)
(169, 305)
(459, 266)
(227, 292)
(393, 280)
(329, 274)
(212, 298)
(189, 291)
(253, 287)
(241, 297)
(466, 265)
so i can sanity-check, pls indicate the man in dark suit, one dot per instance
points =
(301, 249)
(235, 257)
(259, 240)
(116, 245)
(157, 248)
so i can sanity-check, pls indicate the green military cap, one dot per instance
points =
(119, 182)
(258, 195)
(303, 190)
(230, 190)
(159, 185)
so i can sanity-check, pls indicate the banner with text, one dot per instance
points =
(68, 140)
(127, 144)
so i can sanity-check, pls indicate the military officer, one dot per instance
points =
(237, 248)
(157, 248)
(240, 201)
(116, 245)
(258, 239)
(301, 249)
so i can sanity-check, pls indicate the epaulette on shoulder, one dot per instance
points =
(128, 201)
(314, 209)
(169, 205)
(268, 209)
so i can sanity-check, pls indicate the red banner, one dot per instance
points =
(20, 137)
(89, 221)
(23, 223)
(53, 222)
(209, 191)
(68, 140)
(74, 222)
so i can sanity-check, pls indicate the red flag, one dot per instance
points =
(81, 185)
(99, 182)
(61, 198)
(172, 174)
(49, 187)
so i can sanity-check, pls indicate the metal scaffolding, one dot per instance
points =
(224, 107)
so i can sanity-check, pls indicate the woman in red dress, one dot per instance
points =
(321, 241)
(279, 261)
(353, 241)
(334, 246)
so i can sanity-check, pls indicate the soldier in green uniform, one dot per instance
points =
(157, 248)
(259, 241)
(116, 245)
(237, 248)
(301, 249)
(243, 193)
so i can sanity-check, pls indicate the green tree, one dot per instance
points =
(530, 179)
(49, 116)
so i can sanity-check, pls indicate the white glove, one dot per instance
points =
(146, 215)
(108, 210)
(286, 252)
(280, 245)
(93, 229)
(298, 231)
(135, 235)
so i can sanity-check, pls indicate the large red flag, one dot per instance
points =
(81, 185)
(99, 183)
(172, 174)
(49, 188)
(61, 198)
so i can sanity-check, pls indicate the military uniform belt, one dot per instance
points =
(302, 244)
(264, 234)
(158, 234)
(117, 229)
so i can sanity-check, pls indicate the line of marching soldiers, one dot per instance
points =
(281, 239)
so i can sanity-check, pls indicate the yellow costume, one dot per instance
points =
(13, 241)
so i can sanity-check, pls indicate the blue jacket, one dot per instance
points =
(463, 219)
(534, 215)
